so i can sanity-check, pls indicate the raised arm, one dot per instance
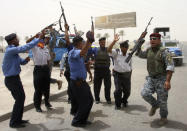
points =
(116, 38)
(90, 40)
(67, 34)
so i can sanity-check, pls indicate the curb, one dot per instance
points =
(31, 105)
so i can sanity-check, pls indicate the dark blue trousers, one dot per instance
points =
(122, 91)
(14, 85)
(81, 101)
(41, 78)
(101, 74)
(67, 76)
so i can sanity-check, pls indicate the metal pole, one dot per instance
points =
(114, 31)
(2, 46)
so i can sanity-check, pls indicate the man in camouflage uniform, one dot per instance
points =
(53, 33)
(160, 67)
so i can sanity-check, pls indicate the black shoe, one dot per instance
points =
(24, 121)
(97, 102)
(17, 125)
(109, 102)
(48, 105)
(117, 107)
(78, 124)
(125, 104)
(38, 110)
(69, 101)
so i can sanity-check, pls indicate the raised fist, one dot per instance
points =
(90, 36)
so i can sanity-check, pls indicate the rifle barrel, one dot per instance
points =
(148, 24)
(63, 14)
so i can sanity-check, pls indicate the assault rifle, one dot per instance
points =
(64, 17)
(139, 42)
(92, 26)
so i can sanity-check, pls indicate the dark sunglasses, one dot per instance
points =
(154, 38)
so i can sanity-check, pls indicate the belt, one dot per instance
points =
(101, 67)
(79, 80)
(157, 76)
(12, 76)
(41, 66)
(121, 73)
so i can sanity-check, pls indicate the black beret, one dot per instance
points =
(124, 44)
(155, 35)
(102, 38)
(77, 39)
(10, 37)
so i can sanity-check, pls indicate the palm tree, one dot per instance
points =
(107, 36)
(121, 33)
(1, 39)
(98, 36)
(26, 38)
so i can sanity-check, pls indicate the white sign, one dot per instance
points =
(116, 21)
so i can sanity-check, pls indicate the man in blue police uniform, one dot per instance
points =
(160, 67)
(11, 69)
(82, 99)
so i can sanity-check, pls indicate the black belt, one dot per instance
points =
(121, 73)
(156, 76)
(41, 66)
(102, 67)
(79, 80)
(12, 76)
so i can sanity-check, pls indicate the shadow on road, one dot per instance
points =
(42, 127)
(171, 124)
(60, 99)
(98, 113)
(97, 126)
(106, 104)
(130, 109)
(180, 66)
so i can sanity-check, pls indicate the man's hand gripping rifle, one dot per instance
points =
(139, 42)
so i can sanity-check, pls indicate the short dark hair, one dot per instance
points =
(125, 44)
(10, 37)
(102, 38)
(77, 39)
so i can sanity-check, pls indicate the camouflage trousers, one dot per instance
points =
(156, 85)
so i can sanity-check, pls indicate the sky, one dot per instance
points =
(27, 17)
